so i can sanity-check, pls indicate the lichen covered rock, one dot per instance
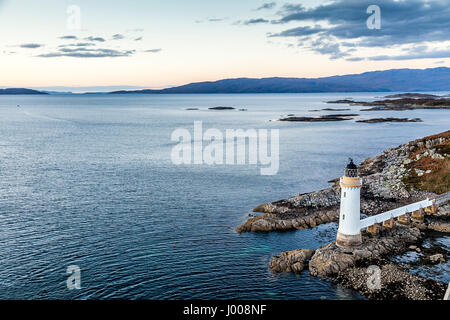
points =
(291, 261)
(395, 284)
(330, 259)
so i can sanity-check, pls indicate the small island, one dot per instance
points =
(221, 108)
(407, 101)
(329, 109)
(346, 117)
(325, 118)
(380, 120)
(413, 95)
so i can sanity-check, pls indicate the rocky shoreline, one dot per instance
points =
(221, 108)
(299, 212)
(345, 117)
(351, 267)
(329, 109)
(386, 185)
(390, 119)
(401, 103)
(325, 118)
(397, 282)
(391, 180)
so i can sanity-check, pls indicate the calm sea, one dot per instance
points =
(88, 180)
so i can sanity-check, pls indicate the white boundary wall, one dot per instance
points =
(395, 213)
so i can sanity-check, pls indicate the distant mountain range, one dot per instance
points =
(11, 91)
(396, 80)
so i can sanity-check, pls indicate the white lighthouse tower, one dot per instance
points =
(349, 233)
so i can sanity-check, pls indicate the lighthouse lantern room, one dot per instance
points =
(349, 233)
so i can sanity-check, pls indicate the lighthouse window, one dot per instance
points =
(345, 194)
(343, 217)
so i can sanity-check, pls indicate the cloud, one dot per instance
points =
(355, 59)
(88, 53)
(298, 32)
(31, 45)
(434, 54)
(267, 6)
(402, 21)
(409, 23)
(211, 20)
(153, 50)
(97, 39)
(89, 49)
(118, 36)
(68, 38)
(332, 49)
(255, 21)
(80, 44)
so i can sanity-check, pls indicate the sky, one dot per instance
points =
(99, 45)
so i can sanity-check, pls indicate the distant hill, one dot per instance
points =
(19, 91)
(396, 80)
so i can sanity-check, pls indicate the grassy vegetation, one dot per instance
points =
(438, 181)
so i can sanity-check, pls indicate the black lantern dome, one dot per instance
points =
(351, 170)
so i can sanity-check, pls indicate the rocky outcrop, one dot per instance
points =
(437, 258)
(299, 212)
(221, 108)
(388, 183)
(291, 261)
(325, 118)
(330, 259)
(413, 95)
(270, 222)
(384, 188)
(396, 284)
(329, 109)
(401, 104)
(439, 225)
(349, 267)
(381, 120)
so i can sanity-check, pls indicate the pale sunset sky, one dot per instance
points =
(156, 44)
